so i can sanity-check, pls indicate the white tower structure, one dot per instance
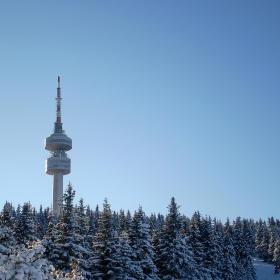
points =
(58, 164)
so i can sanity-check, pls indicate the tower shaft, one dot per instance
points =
(57, 191)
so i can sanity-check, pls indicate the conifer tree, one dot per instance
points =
(248, 230)
(42, 223)
(13, 212)
(185, 229)
(262, 248)
(140, 241)
(20, 259)
(80, 263)
(25, 226)
(259, 234)
(160, 223)
(105, 260)
(122, 222)
(64, 229)
(152, 220)
(218, 230)
(195, 240)
(25, 263)
(229, 264)
(115, 217)
(273, 237)
(96, 216)
(81, 225)
(245, 269)
(91, 223)
(6, 217)
(18, 211)
(155, 244)
(276, 255)
(211, 249)
(51, 252)
(239, 248)
(250, 271)
(249, 234)
(174, 257)
(128, 220)
(7, 234)
(128, 268)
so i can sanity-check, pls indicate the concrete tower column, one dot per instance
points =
(57, 191)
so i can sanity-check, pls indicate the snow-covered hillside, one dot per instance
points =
(265, 271)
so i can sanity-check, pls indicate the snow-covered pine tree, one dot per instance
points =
(155, 244)
(80, 263)
(140, 242)
(42, 223)
(226, 228)
(6, 217)
(218, 230)
(229, 264)
(95, 219)
(249, 234)
(24, 229)
(46, 215)
(160, 223)
(52, 249)
(105, 260)
(81, 225)
(276, 255)
(262, 248)
(64, 232)
(18, 211)
(185, 229)
(174, 258)
(25, 263)
(245, 269)
(211, 260)
(91, 224)
(7, 234)
(13, 212)
(128, 268)
(115, 217)
(195, 240)
(218, 227)
(273, 231)
(122, 222)
(239, 244)
(250, 271)
(17, 261)
(277, 222)
(259, 235)
(128, 220)
(152, 220)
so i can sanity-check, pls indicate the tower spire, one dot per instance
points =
(58, 101)
(58, 123)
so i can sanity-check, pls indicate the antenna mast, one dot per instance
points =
(58, 102)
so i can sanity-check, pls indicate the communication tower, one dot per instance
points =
(58, 164)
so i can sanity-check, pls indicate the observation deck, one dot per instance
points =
(58, 141)
(58, 164)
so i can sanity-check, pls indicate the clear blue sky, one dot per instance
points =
(161, 99)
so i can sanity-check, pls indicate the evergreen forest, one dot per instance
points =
(85, 243)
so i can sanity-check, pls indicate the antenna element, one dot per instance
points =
(58, 102)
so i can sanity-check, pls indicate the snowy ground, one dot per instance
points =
(265, 271)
